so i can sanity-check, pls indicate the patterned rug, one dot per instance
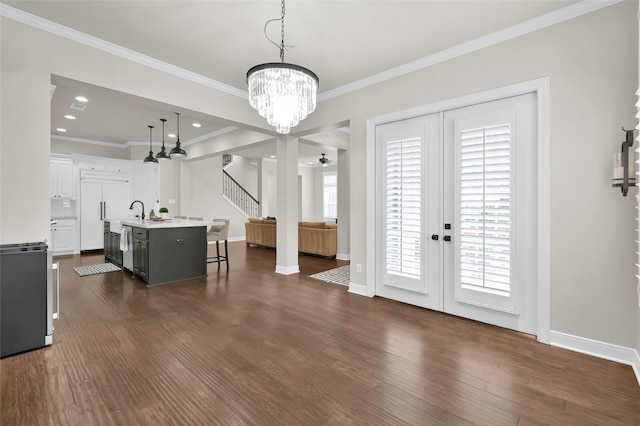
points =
(83, 271)
(340, 276)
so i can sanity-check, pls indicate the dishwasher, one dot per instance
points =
(126, 245)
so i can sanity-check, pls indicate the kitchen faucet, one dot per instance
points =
(142, 204)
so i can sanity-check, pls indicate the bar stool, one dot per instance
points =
(219, 233)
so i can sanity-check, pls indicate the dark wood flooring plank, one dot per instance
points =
(251, 347)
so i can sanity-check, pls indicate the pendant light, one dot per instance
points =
(282, 93)
(177, 150)
(163, 155)
(150, 158)
(324, 161)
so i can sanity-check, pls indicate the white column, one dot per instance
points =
(343, 205)
(287, 176)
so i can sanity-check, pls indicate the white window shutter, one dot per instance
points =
(485, 209)
(403, 207)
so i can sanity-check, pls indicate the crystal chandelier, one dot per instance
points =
(282, 93)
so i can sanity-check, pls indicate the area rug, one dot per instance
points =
(83, 271)
(340, 276)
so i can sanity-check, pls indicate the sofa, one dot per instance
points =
(315, 238)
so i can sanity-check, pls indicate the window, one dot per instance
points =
(330, 195)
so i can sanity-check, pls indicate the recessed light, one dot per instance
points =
(81, 99)
(171, 135)
(197, 125)
(60, 129)
(272, 156)
(70, 117)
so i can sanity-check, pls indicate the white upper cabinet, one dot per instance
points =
(62, 178)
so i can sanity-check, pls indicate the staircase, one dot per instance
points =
(239, 197)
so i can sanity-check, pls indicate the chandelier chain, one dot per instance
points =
(282, 33)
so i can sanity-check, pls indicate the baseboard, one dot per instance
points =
(287, 270)
(343, 256)
(358, 289)
(611, 352)
(232, 239)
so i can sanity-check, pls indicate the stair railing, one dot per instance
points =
(239, 196)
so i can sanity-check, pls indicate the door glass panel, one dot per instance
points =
(485, 209)
(403, 208)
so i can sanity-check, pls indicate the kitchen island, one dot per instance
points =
(163, 251)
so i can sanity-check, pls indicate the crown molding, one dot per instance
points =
(577, 9)
(97, 43)
(94, 142)
(129, 144)
(561, 15)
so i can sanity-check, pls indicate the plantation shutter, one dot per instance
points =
(403, 208)
(485, 209)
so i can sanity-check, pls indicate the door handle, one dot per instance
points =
(434, 237)
(101, 217)
(447, 237)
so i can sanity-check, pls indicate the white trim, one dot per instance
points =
(210, 135)
(609, 351)
(93, 142)
(287, 270)
(114, 49)
(359, 289)
(541, 87)
(228, 200)
(343, 256)
(125, 145)
(535, 24)
(543, 174)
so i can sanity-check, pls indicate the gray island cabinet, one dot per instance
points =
(167, 252)
(166, 255)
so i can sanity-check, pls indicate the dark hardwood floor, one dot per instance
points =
(252, 347)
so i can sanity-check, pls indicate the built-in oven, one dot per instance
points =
(26, 305)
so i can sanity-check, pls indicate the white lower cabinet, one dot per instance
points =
(63, 236)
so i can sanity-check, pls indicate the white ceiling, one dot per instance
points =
(341, 41)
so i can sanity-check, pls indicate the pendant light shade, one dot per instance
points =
(177, 150)
(282, 93)
(150, 158)
(163, 155)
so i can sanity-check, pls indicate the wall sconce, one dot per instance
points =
(624, 170)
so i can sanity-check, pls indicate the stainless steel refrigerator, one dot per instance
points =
(26, 297)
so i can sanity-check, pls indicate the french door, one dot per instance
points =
(456, 212)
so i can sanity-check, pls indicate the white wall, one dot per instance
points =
(308, 198)
(245, 171)
(201, 186)
(593, 78)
